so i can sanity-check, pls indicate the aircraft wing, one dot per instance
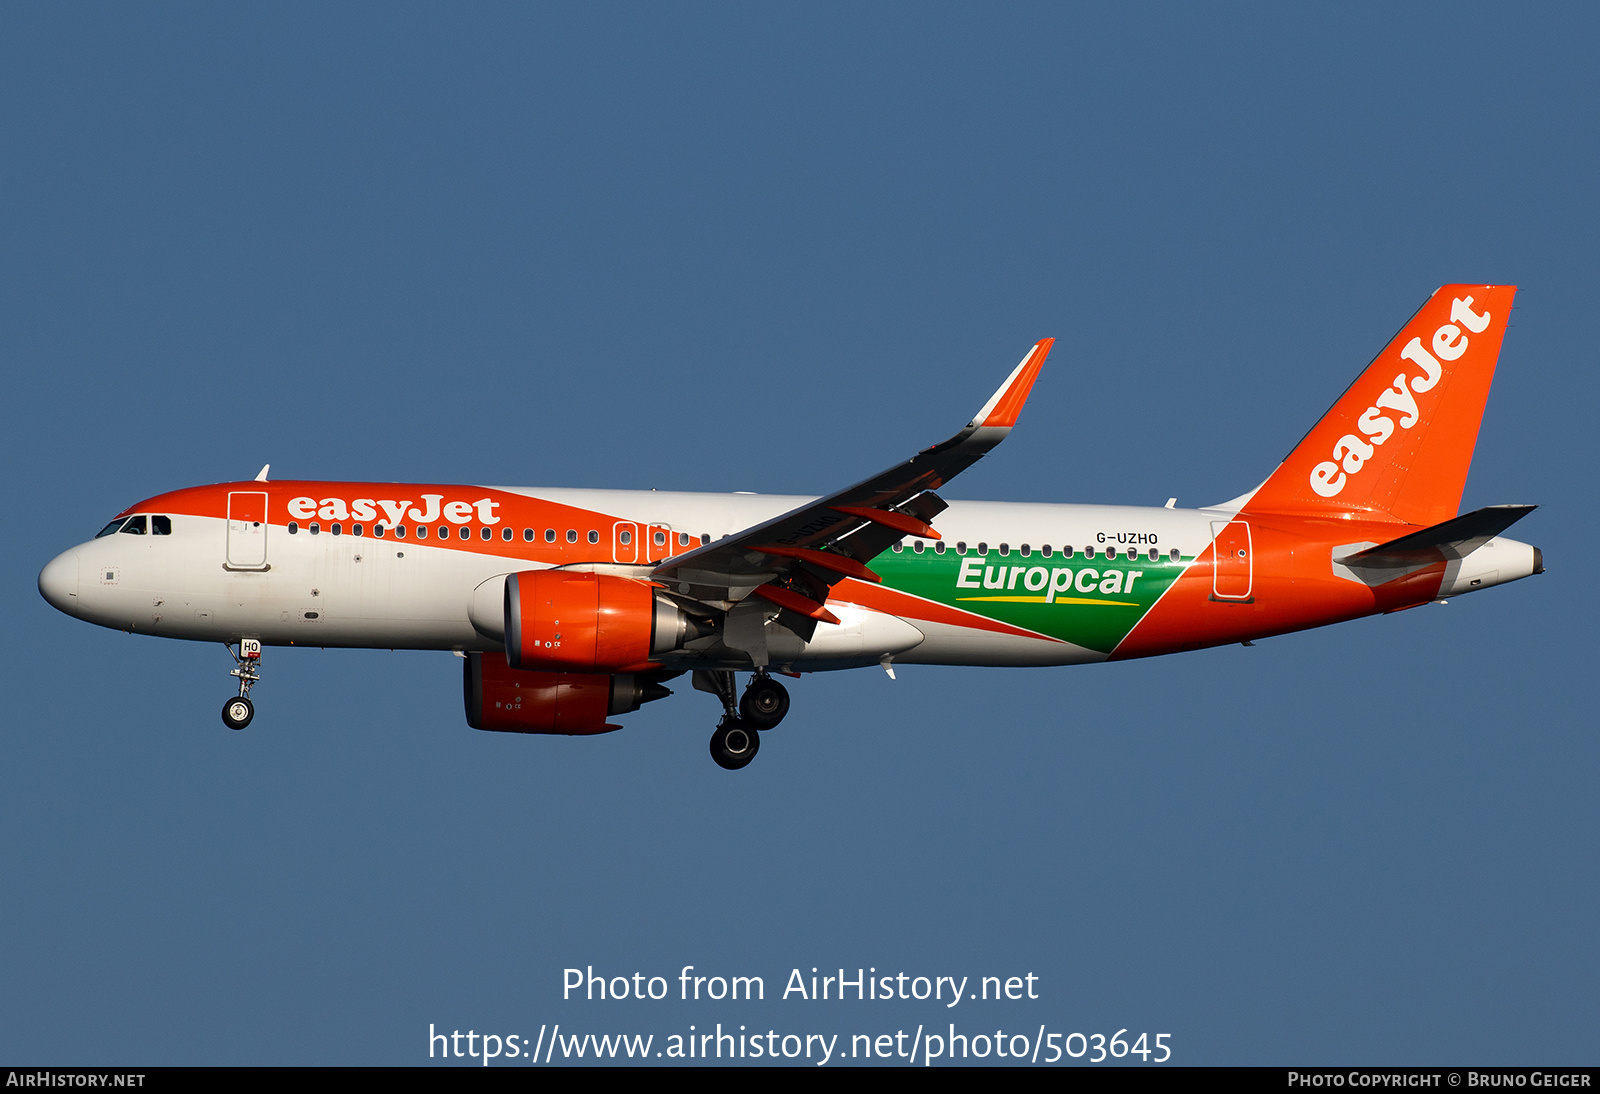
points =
(792, 560)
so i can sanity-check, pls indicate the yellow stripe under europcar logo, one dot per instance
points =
(1057, 600)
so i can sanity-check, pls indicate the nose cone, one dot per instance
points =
(58, 582)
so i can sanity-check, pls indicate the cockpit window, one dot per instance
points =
(134, 527)
(161, 526)
(110, 528)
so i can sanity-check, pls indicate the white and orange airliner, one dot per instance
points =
(570, 607)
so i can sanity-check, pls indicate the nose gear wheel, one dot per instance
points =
(237, 712)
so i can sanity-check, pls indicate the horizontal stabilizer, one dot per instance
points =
(1455, 538)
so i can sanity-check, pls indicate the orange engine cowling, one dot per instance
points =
(519, 701)
(563, 621)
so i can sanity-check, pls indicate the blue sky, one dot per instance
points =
(732, 247)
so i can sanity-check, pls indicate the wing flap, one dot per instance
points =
(784, 598)
(903, 523)
(834, 561)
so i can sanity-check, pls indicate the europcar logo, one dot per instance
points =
(1050, 582)
(1351, 453)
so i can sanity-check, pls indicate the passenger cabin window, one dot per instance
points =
(337, 529)
(938, 547)
(422, 531)
(110, 528)
(505, 534)
(135, 526)
(572, 535)
(485, 533)
(294, 526)
(1045, 551)
(314, 528)
(660, 539)
(549, 535)
(466, 533)
(1154, 554)
(983, 548)
(898, 547)
(377, 529)
(399, 531)
(594, 537)
(444, 531)
(1173, 554)
(916, 545)
(961, 546)
(161, 526)
(1005, 549)
(1066, 552)
(355, 529)
(527, 535)
(1023, 550)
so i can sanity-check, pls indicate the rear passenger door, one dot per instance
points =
(1233, 568)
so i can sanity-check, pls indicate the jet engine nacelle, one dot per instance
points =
(566, 621)
(517, 701)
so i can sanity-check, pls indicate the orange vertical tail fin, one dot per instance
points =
(1399, 441)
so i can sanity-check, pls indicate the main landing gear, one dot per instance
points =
(765, 702)
(737, 739)
(237, 712)
(734, 744)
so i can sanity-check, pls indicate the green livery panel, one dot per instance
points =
(1090, 602)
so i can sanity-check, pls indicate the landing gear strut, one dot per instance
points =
(237, 712)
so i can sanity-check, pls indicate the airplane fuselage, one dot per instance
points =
(1008, 584)
(573, 606)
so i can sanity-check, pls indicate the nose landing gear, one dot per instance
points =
(237, 712)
